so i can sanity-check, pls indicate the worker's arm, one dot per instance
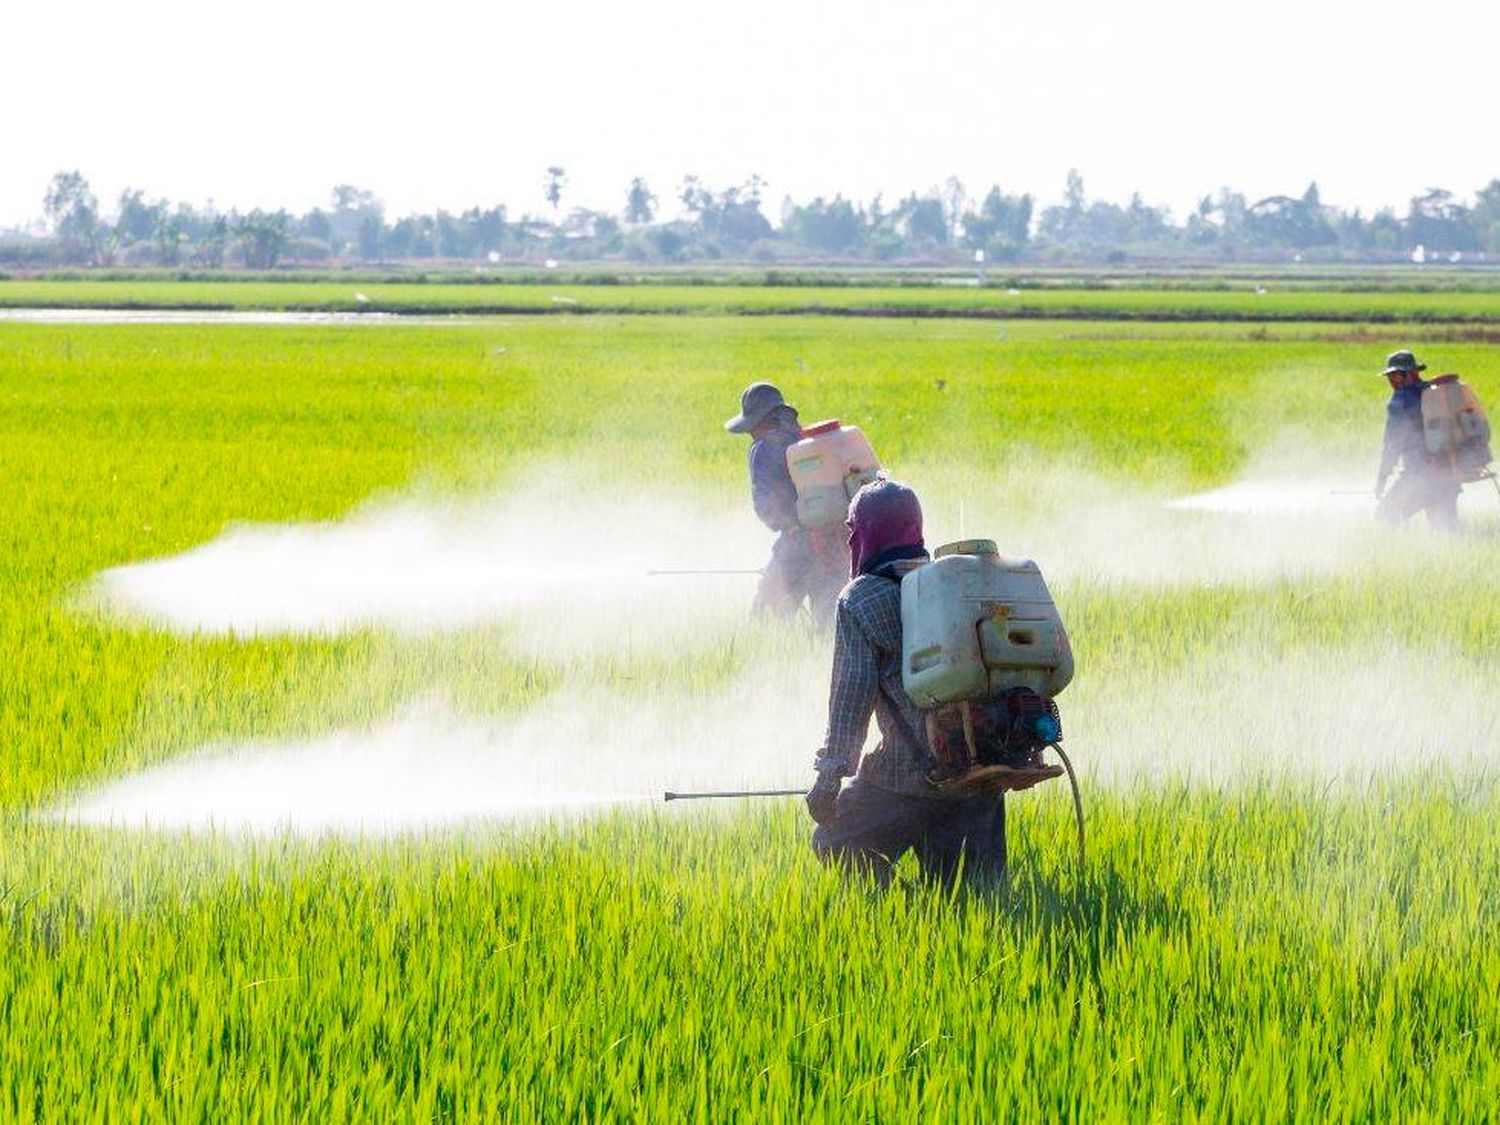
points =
(771, 487)
(851, 696)
(1391, 452)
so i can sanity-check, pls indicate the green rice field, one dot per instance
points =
(1286, 727)
(1243, 300)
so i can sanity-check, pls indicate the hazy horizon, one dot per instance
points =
(851, 98)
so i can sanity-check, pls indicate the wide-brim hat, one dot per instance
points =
(1399, 363)
(758, 400)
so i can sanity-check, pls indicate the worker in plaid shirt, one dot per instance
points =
(890, 807)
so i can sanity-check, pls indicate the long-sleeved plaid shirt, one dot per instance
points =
(867, 680)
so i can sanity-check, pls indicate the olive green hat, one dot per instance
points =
(1399, 363)
(758, 400)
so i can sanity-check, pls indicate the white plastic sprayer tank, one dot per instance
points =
(975, 624)
(828, 466)
(1454, 427)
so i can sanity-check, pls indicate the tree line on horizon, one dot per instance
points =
(946, 225)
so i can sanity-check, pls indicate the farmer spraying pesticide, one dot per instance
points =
(1436, 434)
(800, 484)
(917, 645)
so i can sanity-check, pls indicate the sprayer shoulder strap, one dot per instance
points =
(903, 728)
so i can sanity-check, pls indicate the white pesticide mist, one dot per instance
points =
(570, 560)
(1291, 515)
(573, 567)
(1224, 717)
(571, 573)
(570, 569)
(574, 753)
(1347, 714)
(1326, 499)
(565, 566)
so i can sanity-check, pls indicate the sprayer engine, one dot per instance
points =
(1011, 729)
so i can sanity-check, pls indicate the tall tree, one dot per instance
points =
(170, 234)
(826, 226)
(370, 238)
(1065, 224)
(1001, 226)
(1436, 222)
(923, 222)
(347, 197)
(732, 217)
(696, 199)
(556, 181)
(956, 198)
(357, 221)
(73, 212)
(1073, 196)
(135, 219)
(264, 235)
(1487, 217)
(316, 224)
(213, 243)
(640, 204)
(1293, 223)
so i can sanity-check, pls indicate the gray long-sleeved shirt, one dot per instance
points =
(771, 488)
(1404, 446)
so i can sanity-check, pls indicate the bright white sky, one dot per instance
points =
(450, 104)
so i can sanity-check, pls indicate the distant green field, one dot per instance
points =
(1227, 275)
(1279, 302)
(1256, 946)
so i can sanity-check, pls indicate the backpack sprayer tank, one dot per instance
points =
(975, 624)
(828, 466)
(1455, 429)
(984, 652)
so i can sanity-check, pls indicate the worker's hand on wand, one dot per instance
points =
(822, 798)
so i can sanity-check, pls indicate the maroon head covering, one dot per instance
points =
(885, 524)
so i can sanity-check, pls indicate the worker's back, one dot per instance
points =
(771, 488)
